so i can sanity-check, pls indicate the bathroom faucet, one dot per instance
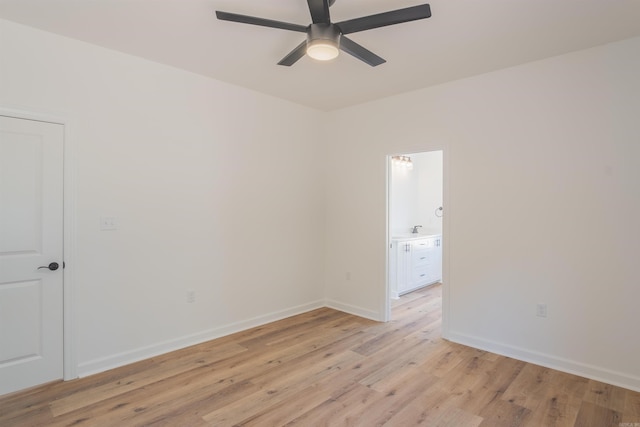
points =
(415, 229)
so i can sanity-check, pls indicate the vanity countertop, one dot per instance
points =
(412, 236)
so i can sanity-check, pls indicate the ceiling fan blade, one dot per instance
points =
(244, 19)
(383, 19)
(365, 55)
(294, 55)
(319, 11)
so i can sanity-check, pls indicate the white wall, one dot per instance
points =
(415, 194)
(217, 189)
(542, 201)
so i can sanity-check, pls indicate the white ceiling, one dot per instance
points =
(461, 39)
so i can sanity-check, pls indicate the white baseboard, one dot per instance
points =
(355, 310)
(103, 364)
(604, 375)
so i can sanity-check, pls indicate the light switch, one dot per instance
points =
(108, 223)
(541, 310)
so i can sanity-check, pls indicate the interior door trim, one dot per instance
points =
(70, 365)
(447, 281)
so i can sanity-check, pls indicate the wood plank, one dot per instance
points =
(341, 410)
(394, 396)
(427, 408)
(279, 389)
(286, 411)
(164, 369)
(631, 412)
(606, 396)
(556, 409)
(500, 413)
(391, 336)
(592, 415)
(456, 417)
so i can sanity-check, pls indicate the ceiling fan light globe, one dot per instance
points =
(322, 50)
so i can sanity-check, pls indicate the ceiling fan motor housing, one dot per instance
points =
(323, 41)
(324, 32)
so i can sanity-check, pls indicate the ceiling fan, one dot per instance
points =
(325, 39)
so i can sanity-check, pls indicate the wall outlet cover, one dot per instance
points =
(541, 310)
(108, 223)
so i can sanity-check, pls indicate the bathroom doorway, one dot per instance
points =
(415, 224)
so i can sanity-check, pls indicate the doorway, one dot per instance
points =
(415, 223)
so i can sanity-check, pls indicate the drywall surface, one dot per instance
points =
(217, 193)
(541, 206)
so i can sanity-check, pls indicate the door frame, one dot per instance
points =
(70, 367)
(446, 234)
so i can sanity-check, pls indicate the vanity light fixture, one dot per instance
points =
(402, 161)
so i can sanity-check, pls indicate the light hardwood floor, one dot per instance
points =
(327, 368)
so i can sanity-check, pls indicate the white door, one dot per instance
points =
(31, 237)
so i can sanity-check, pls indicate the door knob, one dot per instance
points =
(53, 266)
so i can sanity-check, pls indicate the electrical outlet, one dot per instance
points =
(191, 296)
(541, 310)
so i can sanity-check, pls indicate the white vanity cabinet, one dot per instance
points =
(414, 262)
